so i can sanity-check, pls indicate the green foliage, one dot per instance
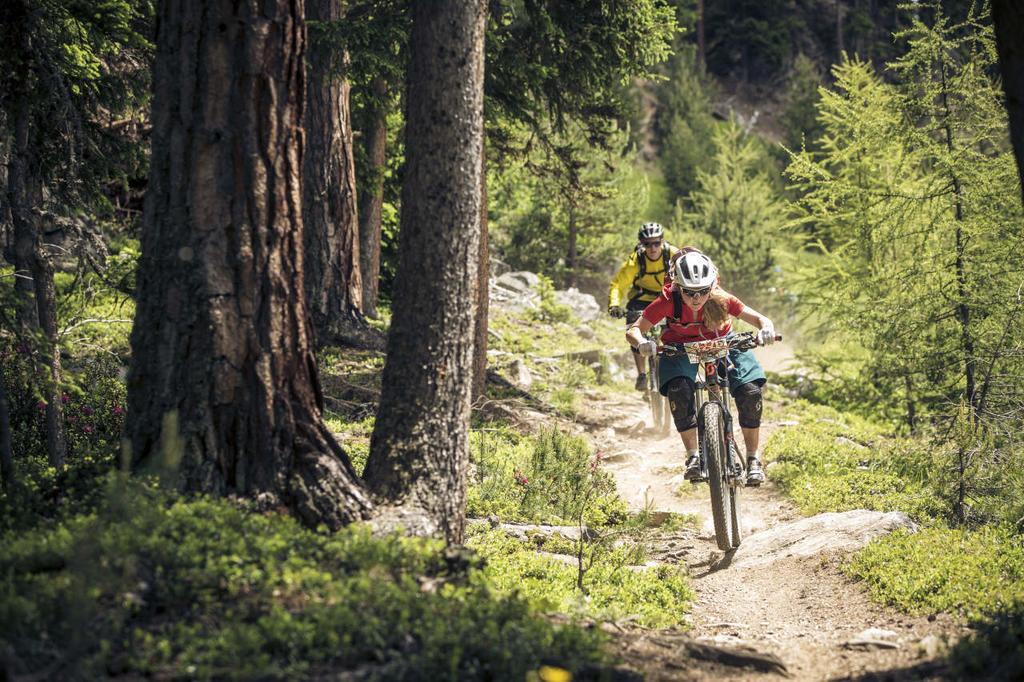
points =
(800, 116)
(736, 213)
(973, 573)
(656, 597)
(154, 586)
(833, 462)
(995, 650)
(685, 127)
(550, 310)
(556, 60)
(77, 67)
(913, 202)
(551, 477)
(565, 186)
(94, 414)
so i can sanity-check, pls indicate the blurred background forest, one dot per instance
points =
(846, 163)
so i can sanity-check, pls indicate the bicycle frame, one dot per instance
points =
(712, 386)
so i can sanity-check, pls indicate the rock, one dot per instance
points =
(583, 306)
(876, 633)
(585, 332)
(520, 373)
(499, 268)
(519, 281)
(843, 440)
(841, 532)
(931, 646)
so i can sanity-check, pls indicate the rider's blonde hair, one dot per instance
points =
(716, 309)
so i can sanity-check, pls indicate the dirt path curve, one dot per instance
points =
(804, 611)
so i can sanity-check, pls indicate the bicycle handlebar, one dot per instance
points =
(740, 341)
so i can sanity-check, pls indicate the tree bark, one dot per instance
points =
(483, 291)
(1008, 17)
(333, 281)
(19, 199)
(370, 210)
(223, 389)
(6, 451)
(570, 255)
(36, 314)
(419, 448)
(49, 351)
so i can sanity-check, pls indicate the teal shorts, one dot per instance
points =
(744, 368)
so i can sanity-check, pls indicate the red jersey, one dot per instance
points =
(691, 326)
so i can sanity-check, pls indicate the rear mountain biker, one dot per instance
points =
(640, 281)
(696, 308)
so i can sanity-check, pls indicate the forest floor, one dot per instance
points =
(755, 617)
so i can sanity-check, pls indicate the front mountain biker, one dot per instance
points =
(697, 308)
(639, 281)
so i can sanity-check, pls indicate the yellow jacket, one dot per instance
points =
(627, 285)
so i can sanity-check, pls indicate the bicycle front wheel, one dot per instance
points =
(716, 456)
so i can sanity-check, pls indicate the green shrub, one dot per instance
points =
(94, 412)
(832, 462)
(152, 585)
(973, 572)
(658, 596)
(994, 651)
(551, 477)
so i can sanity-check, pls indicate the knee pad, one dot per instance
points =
(748, 404)
(680, 393)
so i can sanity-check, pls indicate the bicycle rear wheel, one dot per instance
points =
(655, 400)
(723, 510)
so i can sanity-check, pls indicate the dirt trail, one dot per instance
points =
(803, 611)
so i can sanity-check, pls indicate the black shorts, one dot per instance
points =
(634, 309)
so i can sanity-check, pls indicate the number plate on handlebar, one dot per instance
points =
(699, 352)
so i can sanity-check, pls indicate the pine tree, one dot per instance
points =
(736, 213)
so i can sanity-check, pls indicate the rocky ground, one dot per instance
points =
(777, 606)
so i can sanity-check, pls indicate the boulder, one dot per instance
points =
(828, 533)
(583, 306)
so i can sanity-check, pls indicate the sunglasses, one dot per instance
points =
(651, 245)
(696, 293)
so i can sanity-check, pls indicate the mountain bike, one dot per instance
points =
(721, 464)
(660, 412)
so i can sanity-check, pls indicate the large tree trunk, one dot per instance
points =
(370, 209)
(1009, 21)
(419, 450)
(223, 390)
(333, 282)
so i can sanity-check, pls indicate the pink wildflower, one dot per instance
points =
(86, 410)
(87, 429)
(41, 405)
(64, 398)
(118, 410)
(521, 479)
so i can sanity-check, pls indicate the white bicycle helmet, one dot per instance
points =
(694, 270)
(650, 231)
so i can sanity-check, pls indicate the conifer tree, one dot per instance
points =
(914, 199)
(736, 213)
